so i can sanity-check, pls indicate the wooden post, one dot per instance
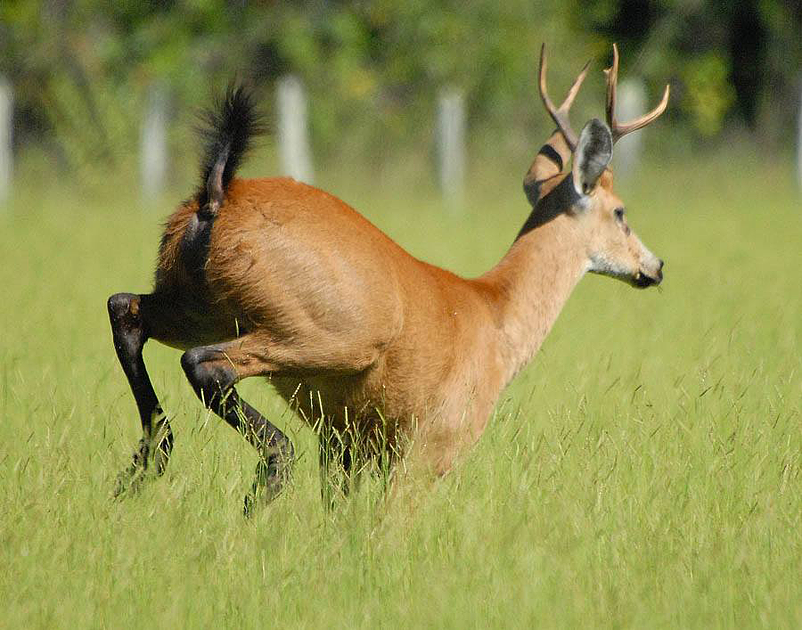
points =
(630, 103)
(6, 128)
(153, 143)
(293, 135)
(451, 145)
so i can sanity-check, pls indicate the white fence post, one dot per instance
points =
(153, 143)
(630, 103)
(451, 144)
(6, 126)
(293, 135)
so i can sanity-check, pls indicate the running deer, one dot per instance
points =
(274, 278)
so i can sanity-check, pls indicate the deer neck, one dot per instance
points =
(532, 283)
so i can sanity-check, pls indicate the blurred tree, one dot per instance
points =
(81, 68)
(731, 60)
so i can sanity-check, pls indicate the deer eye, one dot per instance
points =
(619, 214)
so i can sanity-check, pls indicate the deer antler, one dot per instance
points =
(618, 129)
(560, 115)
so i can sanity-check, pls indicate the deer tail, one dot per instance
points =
(227, 131)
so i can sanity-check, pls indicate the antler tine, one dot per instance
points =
(560, 115)
(638, 123)
(619, 130)
(611, 75)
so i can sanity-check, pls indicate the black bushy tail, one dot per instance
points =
(227, 131)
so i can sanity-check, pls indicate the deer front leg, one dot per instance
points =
(130, 333)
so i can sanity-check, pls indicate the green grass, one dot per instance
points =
(643, 471)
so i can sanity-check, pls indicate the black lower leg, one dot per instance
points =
(213, 381)
(276, 452)
(129, 333)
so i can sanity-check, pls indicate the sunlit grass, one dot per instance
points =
(644, 470)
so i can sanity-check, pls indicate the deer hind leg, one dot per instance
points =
(129, 331)
(213, 371)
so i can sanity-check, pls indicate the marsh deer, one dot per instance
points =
(274, 278)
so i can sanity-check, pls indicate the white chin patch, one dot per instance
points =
(603, 265)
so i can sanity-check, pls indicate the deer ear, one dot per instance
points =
(594, 150)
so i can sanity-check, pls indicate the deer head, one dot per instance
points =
(585, 193)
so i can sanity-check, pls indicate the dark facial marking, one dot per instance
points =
(619, 217)
(559, 200)
(549, 151)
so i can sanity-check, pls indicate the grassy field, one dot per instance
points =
(643, 471)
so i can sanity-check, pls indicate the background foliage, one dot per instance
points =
(82, 68)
